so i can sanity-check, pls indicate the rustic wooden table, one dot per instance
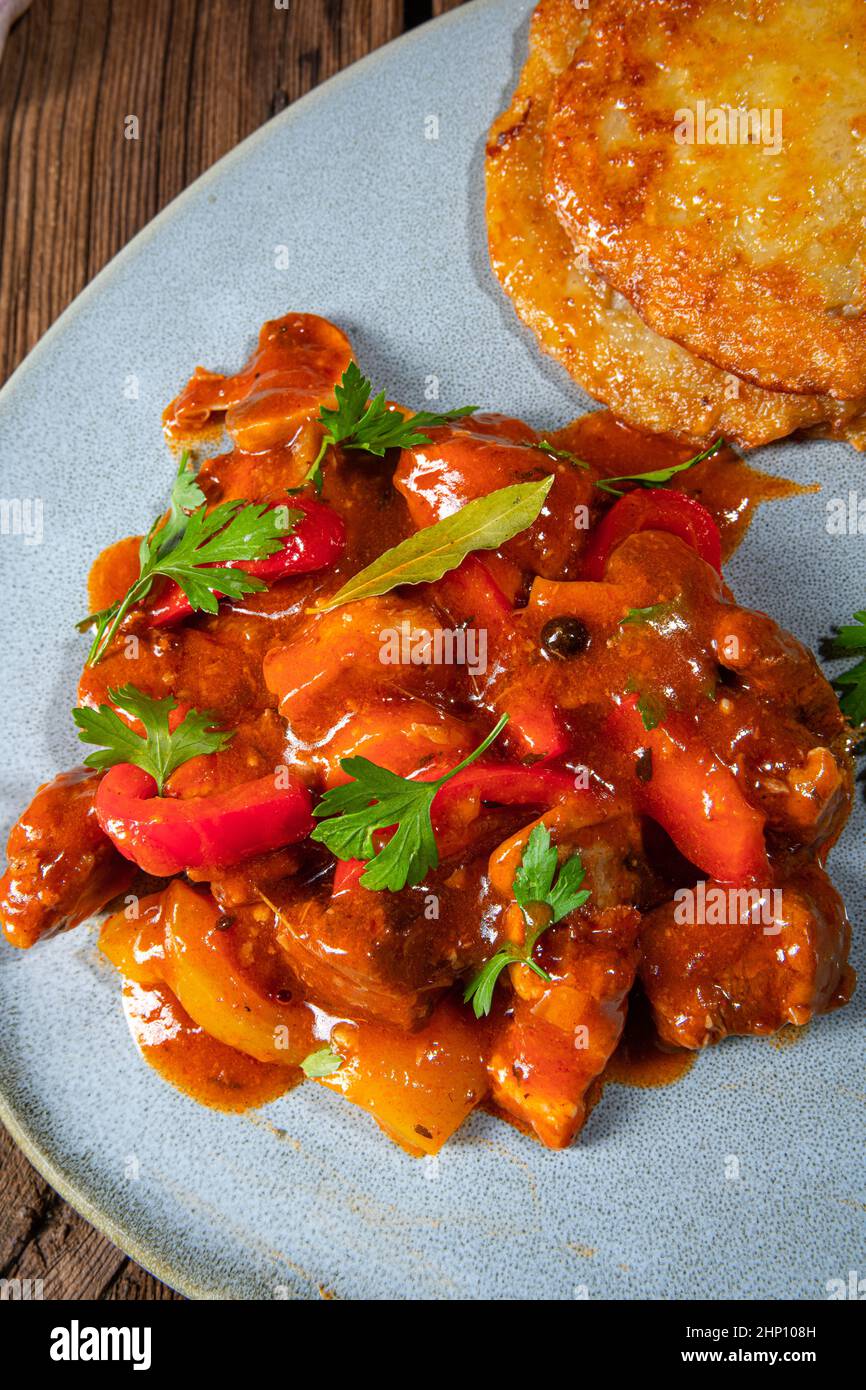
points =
(200, 75)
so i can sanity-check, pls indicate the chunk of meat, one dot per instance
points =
(609, 843)
(749, 966)
(772, 664)
(558, 1037)
(345, 957)
(389, 956)
(61, 868)
(482, 454)
(777, 722)
(803, 786)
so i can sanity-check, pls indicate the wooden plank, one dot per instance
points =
(187, 79)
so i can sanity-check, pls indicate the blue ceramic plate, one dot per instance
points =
(384, 230)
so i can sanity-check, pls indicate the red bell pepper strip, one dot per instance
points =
(347, 872)
(652, 511)
(692, 795)
(504, 784)
(165, 836)
(471, 589)
(317, 540)
(471, 592)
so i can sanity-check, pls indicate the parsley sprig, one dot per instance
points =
(361, 423)
(193, 548)
(544, 902)
(659, 476)
(160, 751)
(377, 799)
(852, 638)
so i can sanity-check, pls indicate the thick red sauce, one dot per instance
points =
(641, 1059)
(184, 1054)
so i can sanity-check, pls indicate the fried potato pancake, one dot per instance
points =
(648, 381)
(710, 158)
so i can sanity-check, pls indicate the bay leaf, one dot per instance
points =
(483, 524)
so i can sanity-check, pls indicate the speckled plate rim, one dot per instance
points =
(77, 1193)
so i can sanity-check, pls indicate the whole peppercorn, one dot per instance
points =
(564, 637)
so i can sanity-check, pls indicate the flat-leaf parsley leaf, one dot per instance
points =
(358, 422)
(545, 900)
(852, 638)
(377, 799)
(192, 548)
(159, 751)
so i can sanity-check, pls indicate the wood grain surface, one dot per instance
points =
(199, 75)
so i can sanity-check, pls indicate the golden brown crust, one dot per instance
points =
(648, 381)
(750, 254)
